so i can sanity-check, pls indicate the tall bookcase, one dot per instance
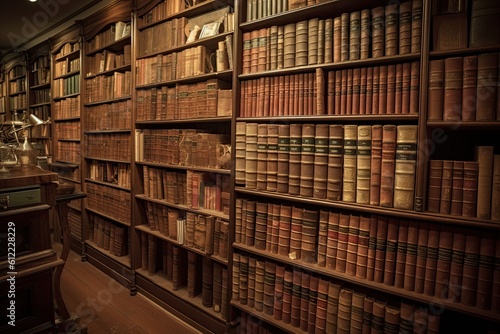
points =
(15, 73)
(183, 120)
(3, 96)
(66, 121)
(332, 148)
(107, 143)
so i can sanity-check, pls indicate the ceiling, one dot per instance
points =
(22, 21)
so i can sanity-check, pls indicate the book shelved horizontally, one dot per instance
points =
(65, 112)
(331, 147)
(183, 104)
(107, 123)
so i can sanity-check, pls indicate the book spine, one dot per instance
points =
(484, 157)
(262, 156)
(495, 189)
(365, 34)
(363, 243)
(380, 252)
(350, 166)
(332, 240)
(269, 281)
(446, 187)
(389, 136)
(453, 69)
(469, 84)
(457, 188)
(344, 311)
(322, 238)
(401, 250)
(343, 235)
(283, 158)
(471, 268)
(432, 258)
(456, 265)
(436, 90)
(295, 159)
(287, 297)
(321, 161)
(363, 163)
(434, 185)
(285, 226)
(251, 155)
(335, 158)
(352, 245)
(372, 248)
(375, 164)
(423, 232)
(354, 35)
(309, 236)
(405, 28)
(391, 29)
(391, 251)
(485, 271)
(307, 160)
(416, 25)
(278, 292)
(321, 307)
(378, 33)
(486, 88)
(296, 233)
(259, 285)
(405, 164)
(358, 300)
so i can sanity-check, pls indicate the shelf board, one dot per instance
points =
(115, 46)
(65, 162)
(17, 93)
(107, 217)
(193, 168)
(69, 119)
(96, 132)
(68, 139)
(123, 260)
(42, 104)
(465, 125)
(40, 86)
(205, 212)
(217, 119)
(333, 118)
(145, 228)
(72, 207)
(334, 66)
(108, 184)
(69, 179)
(111, 71)
(109, 160)
(116, 99)
(223, 75)
(72, 55)
(464, 51)
(160, 279)
(419, 297)
(377, 210)
(69, 74)
(57, 98)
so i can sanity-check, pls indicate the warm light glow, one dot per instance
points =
(32, 0)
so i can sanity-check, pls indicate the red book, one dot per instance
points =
(414, 87)
(278, 292)
(457, 188)
(387, 165)
(363, 243)
(362, 91)
(411, 256)
(330, 100)
(375, 164)
(391, 89)
(313, 302)
(398, 90)
(356, 83)
(453, 69)
(423, 232)
(471, 268)
(352, 244)
(432, 259)
(369, 91)
(375, 91)
(372, 248)
(443, 262)
(332, 240)
(495, 290)
(470, 183)
(485, 271)
(391, 250)
(321, 307)
(401, 254)
(446, 185)
(340, 264)
(382, 225)
(436, 90)
(457, 265)
(296, 291)
(405, 94)
(287, 297)
(382, 90)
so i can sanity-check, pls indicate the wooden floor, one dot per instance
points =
(104, 306)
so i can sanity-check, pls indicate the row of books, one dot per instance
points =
(103, 88)
(385, 89)
(17, 71)
(163, 36)
(40, 63)
(196, 190)
(464, 88)
(75, 224)
(115, 146)
(115, 32)
(317, 305)
(18, 102)
(67, 130)
(41, 130)
(41, 76)
(109, 116)
(196, 100)
(112, 172)
(67, 48)
(68, 151)
(365, 164)
(466, 188)
(415, 256)
(383, 31)
(108, 235)
(165, 9)
(184, 147)
(66, 66)
(112, 202)
(66, 86)
(41, 96)
(108, 60)
(202, 275)
(17, 86)
(66, 108)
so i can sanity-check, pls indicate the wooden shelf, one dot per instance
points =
(107, 217)
(17, 93)
(116, 99)
(465, 125)
(66, 75)
(110, 160)
(68, 139)
(159, 235)
(224, 76)
(419, 297)
(464, 51)
(58, 98)
(40, 86)
(115, 46)
(42, 104)
(108, 184)
(193, 168)
(69, 119)
(72, 55)
(185, 120)
(111, 71)
(333, 118)
(97, 132)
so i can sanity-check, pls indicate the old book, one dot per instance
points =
(486, 92)
(365, 34)
(416, 25)
(309, 236)
(391, 29)
(207, 283)
(250, 215)
(296, 293)
(312, 29)
(404, 169)
(485, 271)
(495, 290)
(358, 300)
(320, 92)
(411, 256)
(259, 285)
(392, 319)
(251, 156)
(337, 34)
(260, 225)
(369, 91)
(431, 260)
(434, 185)
(414, 87)
(363, 243)
(453, 69)
(286, 311)
(320, 161)
(344, 311)
(194, 274)
(321, 307)
(235, 288)
(283, 158)
(352, 244)
(457, 187)
(436, 90)
(217, 287)
(343, 235)
(449, 31)
(372, 249)
(401, 250)
(144, 251)
(285, 225)
(469, 84)
(335, 162)
(272, 157)
(391, 250)
(469, 195)
(278, 292)
(152, 246)
(179, 273)
(243, 279)
(275, 230)
(391, 88)
(381, 248)
(420, 319)
(295, 159)
(405, 27)
(296, 233)
(307, 160)
(262, 156)
(407, 312)
(446, 186)
(388, 161)
(349, 165)
(423, 233)
(378, 316)
(332, 240)
(344, 37)
(471, 268)
(457, 265)
(378, 33)
(484, 18)
(322, 238)
(305, 284)
(367, 314)
(375, 164)
(363, 164)
(301, 42)
(362, 91)
(495, 189)
(289, 44)
(484, 157)
(354, 35)
(376, 91)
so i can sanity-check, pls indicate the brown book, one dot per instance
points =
(363, 164)
(484, 18)
(446, 186)
(319, 87)
(321, 307)
(356, 82)
(352, 244)
(484, 157)
(194, 274)
(453, 69)
(322, 237)
(416, 25)
(391, 89)
(391, 29)
(405, 27)
(144, 251)
(344, 311)
(343, 235)
(345, 89)
(285, 225)
(495, 189)
(260, 225)
(389, 135)
(344, 37)
(469, 195)
(283, 158)
(251, 156)
(243, 279)
(414, 87)
(217, 287)
(179, 273)
(354, 35)
(372, 249)
(485, 271)
(321, 161)
(288, 45)
(380, 252)
(378, 33)
(495, 290)
(295, 159)
(333, 306)
(357, 306)
(392, 319)
(391, 250)
(434, 185)
(321, 42)
(405, 164)
(307, 160)
(309, 236)
(295, 303)
(249, 222)
(363, 243)
(313, 302)
(420, 320)
(369, 91)
(436, 90)
(471, 268)
(378, 317)
(407, 313)
(401, 250)
(457, 188)
(405, 92)
(269, 280)
(423, 234)
(469, 84)
(350, 166)
(335, 162)
(152, 246)
(278, 292)
(275, 230)
(443, 262)
(337, 34)
(262, 157)
(365, 34)
(362, 90)
(296, 233)
(330, 91)
(375, 164)
(398, 90)
(457, 265)
(332, 240)
(301, 42)
(236, 278)
(431, 260)
(486, 93)
(367, 315)
(287, 296)
(411, 256)
(259, 285)
(375, 91)
(272, 157)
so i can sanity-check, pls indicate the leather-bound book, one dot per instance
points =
(469, 86)
(416, 25)
(372, 249)
(420, 319)
(392, 319)
(332, 240)
(369, 91)
(285, 226)
(405, 27)
(296, 291)
(338, 91)
(281, 47)
(330, 92)
(375, 91)
(345, 101)
(340, 263)
(235, 288)
(179, 273)
(452, 103)
(391, 89)
(278, 292)
(469, 195)
(363, 172)
(296, 233)
(344, 311)
(391, 250)
(485, 272)
(259, 285)
(301, 43)
(144, 251)
(471, 268)
(333, 307)
(309, 236)
(423, 233)
(352, 245)
(321, 161)
(328, 40)
(307, 160)
(432, 259)
(295, 158)
(411, 256)
(484, 157)
(272, 157)
(275, 230)
(380, 252)
(484, 20)
(495, 290)
(321, 42)
(486, 101)
(404, 169)
(350, 166)
(401, 250)
(217, 287)
(283, 158)
(313, 302)
(434, 185)
(365, 34)
(354, 35)
(247, 44)
(414, 87)
(321, 307)
(320, 103)
(273, 48)
(249, 223)
(363, 242)
(376, 164)
(344, 37)
(243, 279)
(407, 313)
(260, 225)
(288, 45)
(238, 224)
(322, 237)
(367, 315)
(335, 162)
(287, 296)
(436, 90)
(194, 274)
(358, 300)
(456, 265)
(251, 156)
(391, 29)
(269, 280)
(152, 246)
(312, 41)
(378, 32)
(457, 188)
(337, 35)
(495, 189)
(446, 187)
(389, 136)
(356, 82)
(362, 90)
(405, 93)
(262, 157)
(378, 317)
